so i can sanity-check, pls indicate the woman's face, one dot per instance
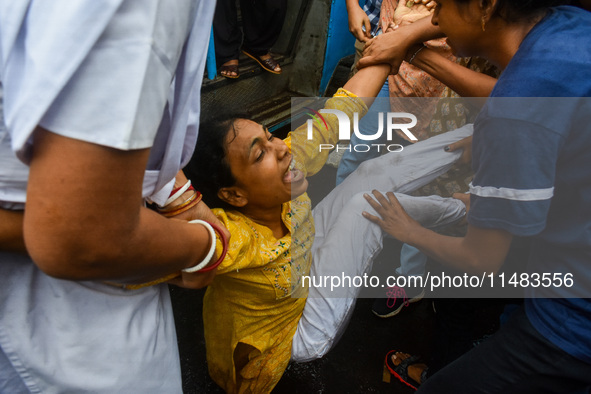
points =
(461, 23)
(260, 164)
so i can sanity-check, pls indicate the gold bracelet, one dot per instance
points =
(193, 196)
(183, 208)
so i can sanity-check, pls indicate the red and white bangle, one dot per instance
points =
(203, 263)
(225, 243)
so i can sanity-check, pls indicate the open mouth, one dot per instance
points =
(293, 175)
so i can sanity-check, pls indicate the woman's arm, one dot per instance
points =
(462, 80)
(84, 218)
(392, 47)
(366, 83)
(308, 154)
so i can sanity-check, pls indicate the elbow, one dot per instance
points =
(479, 264)
(68, 256)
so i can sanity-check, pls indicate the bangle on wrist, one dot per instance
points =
(225, 241)
(189, 203)
(211, 251)
(416, 53)
(176, 193)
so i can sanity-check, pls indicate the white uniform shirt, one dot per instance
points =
(98, 71)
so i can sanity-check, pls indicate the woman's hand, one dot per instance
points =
(405, 15)
(389, 48)
(393, 218)
(201, 211)
(466, 145)
(195, 280)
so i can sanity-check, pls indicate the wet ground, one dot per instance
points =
(356, 363)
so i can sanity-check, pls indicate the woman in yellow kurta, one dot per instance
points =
(252, 308)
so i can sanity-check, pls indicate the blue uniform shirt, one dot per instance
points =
(532, 163)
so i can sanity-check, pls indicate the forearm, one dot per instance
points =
(421, 31)
(466, 254)
(11, 231)
(392, 47)
(150, 248)
(481, 250)
(462, 80)
(352, 5)
(367, 82)
(85, 220)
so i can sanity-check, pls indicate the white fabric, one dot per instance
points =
(512, 194)
(62, 336)
(346, 243)
(13, 173)
(69, 45)
(71, 337)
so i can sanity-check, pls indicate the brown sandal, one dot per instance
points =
(268, 64)
(231, 68)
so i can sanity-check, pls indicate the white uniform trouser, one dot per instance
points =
(346, 243)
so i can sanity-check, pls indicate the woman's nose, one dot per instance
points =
(435, 17)
(282, 149)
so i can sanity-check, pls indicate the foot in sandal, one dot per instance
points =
(230, 69)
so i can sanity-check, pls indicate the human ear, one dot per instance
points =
(488, 8)
(233, 195)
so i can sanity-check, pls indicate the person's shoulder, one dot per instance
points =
(553, 60)
(562, 25)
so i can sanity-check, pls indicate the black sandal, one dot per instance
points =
(400, 371)
(268, 64)
(230, 68)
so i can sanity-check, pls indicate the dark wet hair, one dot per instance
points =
(520, 10)
(208, 169)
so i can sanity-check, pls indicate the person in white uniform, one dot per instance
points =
(101, 101)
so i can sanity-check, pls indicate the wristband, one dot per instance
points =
(209, 255)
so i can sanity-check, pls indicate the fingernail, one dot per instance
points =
(446, 148)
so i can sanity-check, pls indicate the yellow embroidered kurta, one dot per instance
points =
(252, 308)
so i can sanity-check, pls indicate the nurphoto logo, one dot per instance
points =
(392, 123)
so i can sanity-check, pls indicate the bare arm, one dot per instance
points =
(84, 218)
(358, 19)
(481, 250)
(392, 47)
(366, 83)
(11, 231)
(462, 80)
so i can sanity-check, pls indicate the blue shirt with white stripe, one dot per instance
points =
(532, 162)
